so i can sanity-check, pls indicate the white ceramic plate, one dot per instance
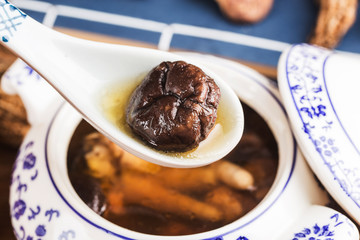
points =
(320, 90)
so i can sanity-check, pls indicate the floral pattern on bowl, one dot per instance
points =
(45, 206)
(319, 91)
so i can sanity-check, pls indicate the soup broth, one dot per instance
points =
(152, 199)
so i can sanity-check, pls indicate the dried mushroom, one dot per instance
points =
(175, 107)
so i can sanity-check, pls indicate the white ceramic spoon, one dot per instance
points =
(80, 69)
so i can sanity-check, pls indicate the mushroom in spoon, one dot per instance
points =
(175, 106)
(79, 69)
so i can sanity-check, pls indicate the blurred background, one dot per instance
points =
(249, 30)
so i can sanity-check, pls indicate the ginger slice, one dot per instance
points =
(334, 20)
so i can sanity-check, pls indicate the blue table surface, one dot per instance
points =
(290, 21)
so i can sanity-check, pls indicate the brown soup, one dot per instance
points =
(148, 198)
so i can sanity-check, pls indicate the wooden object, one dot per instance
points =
(334, 20)
(13, 122)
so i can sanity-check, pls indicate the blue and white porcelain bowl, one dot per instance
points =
(44, 205)
(320, 89)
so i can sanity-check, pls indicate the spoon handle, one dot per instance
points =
(19, 32)
(38, 46)
(11, 19)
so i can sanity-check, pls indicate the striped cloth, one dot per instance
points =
(196, 25)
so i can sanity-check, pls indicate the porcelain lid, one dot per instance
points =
(320, 90)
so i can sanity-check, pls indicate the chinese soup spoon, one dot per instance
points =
(79, 69)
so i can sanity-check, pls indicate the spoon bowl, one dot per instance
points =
(82, 70)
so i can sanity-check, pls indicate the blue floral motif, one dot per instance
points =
(321, 232)
(10, 18)
(25, 75)
(21, 187)
(315, 232)
(19, 208)
(18, 236)
(33, 177)
(50, 213)
(67, 235)
(29, 161)
(34, 213)
(40, 231)
(295, 88)
(239, 238)
(307, 84)
(25, 174)
(29, 72)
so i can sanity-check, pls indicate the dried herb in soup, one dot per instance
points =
(152, 199)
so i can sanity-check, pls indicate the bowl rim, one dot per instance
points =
(330, 152)
(283, 176)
